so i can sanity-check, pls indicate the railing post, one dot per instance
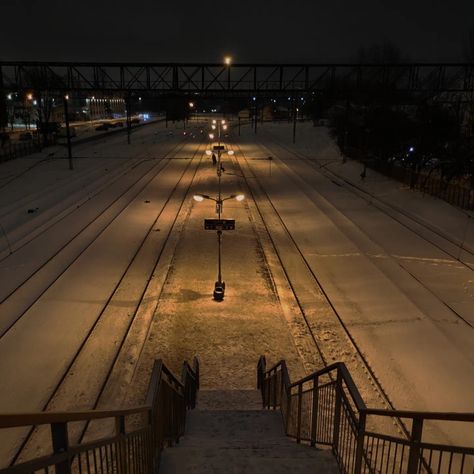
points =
(300, 400)
(275, 379)
(314, 412)
(120, 448)
(60, 441)
(337, 412)
(288, 410)
(415, 439)
(360, 442)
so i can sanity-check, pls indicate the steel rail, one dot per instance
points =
(91, 330)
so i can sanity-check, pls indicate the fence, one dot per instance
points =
(326, 408)
(433, 184)
(10, 151)
(131, 449)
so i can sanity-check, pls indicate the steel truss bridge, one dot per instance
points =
(237, 79)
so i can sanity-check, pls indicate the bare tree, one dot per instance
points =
(469, 46)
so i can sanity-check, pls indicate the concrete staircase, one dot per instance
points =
(230, 433)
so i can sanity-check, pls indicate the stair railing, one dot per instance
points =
(139, 434)
(326, 408)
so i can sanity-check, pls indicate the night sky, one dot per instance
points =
(251, 31)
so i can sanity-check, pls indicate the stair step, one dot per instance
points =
(229, 400)
(234, 428)
(237, 436)
(298, 459)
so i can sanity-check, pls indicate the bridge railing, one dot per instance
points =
(326, 408)
(139, 435)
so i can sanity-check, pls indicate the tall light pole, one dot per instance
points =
(68, 134)
(219, 286)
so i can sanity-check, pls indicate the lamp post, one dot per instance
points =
(219, 286)
(68, 134)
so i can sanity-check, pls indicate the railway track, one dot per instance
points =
(191, 169)
(135, 188)
(330, 175)
(383, 205)
(29, 198)
(371, 376)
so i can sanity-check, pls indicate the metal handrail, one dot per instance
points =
(15, 420)
(321, 412)
(167, 401)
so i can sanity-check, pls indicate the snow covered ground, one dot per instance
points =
(389, 259)
(107, 267)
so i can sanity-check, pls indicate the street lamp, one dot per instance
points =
(227, 60)
(219, 286)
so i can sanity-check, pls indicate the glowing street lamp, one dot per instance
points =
(227, 60)
(211, 136)
(219, 286)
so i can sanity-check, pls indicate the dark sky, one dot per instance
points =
(257, 30)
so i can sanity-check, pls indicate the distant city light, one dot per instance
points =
(411, 149)
(208, 152)
(35, 102)
(9, 97)
(66, 96)
(227, 60)
(140, 99)
(254, 98)
(240, 197)
(213, 127)
(230, 152)
(29, 96)
(191, 104)
(211, 136)
(214, 121)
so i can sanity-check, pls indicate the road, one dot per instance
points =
(106, 268)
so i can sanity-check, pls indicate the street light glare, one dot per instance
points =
(224, 127)
(198, 198)
(211, 136)
(29, 96)
(214, 121)
(240, 197)
(213, 127)
(208, 152)
(223, 122)
(191, 105)
(230, 152)
(227, 60)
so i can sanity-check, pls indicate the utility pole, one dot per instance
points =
(3, 102)
(295, 111)
(129, 117)
(256, 116)
(68, 134)
(239, 125)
